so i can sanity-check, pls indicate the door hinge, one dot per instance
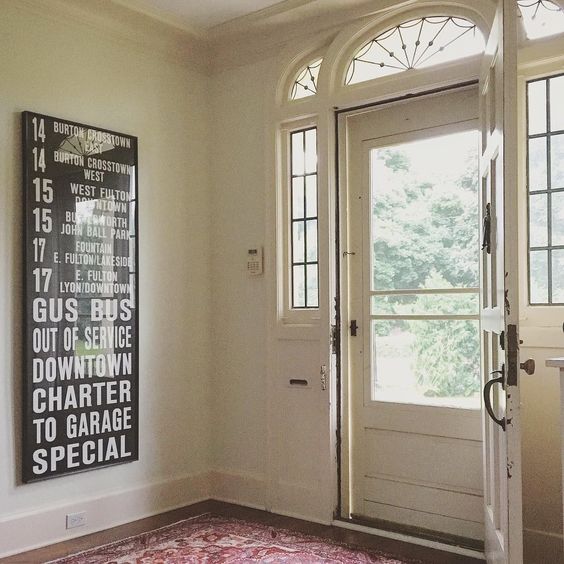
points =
(502, 340)
(354, 328)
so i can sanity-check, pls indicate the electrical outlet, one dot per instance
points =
(76, 520)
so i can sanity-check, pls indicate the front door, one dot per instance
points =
(413, 442)
(500, 291)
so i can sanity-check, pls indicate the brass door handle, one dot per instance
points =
(528, 366)
(487, 398)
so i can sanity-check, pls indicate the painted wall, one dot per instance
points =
(64, 66)
(238, 155)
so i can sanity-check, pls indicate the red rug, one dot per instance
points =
(211, 539)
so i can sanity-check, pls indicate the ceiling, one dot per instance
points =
(198, 16)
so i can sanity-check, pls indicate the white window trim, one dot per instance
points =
(290, 315)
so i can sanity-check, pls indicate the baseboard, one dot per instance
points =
(23, 532)
(542, 546)
(248, 490)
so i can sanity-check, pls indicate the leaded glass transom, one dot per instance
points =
(541, 18)
(306, 82)
(418, 43)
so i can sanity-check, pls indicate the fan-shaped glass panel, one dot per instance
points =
(415, 44)
(541, 18)
(306, 82)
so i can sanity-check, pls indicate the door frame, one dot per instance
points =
(343, 289)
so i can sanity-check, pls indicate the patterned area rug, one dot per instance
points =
(211, 539)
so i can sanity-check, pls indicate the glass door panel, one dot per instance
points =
(425, 272)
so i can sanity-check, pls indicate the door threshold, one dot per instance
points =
(423, 537)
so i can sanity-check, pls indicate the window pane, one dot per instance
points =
(537, 107)
(539, 277)
(541, 18)
(298, 197)
(312, 240)
(424, 231)
(558, 276)
(557, 161)
(415, 44)
(312, 286)
(306, 82)
(557, 218)
(311, 196)
(298, 153)
(557, 108)
(311, 151)
(299, 286)
(426, 362)
(304, 236)
(538, 221)
(537, 164)
(437, 304)
(298, 242)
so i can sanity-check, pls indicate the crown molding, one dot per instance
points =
(149, 35)
(167, 18)
(269, 31)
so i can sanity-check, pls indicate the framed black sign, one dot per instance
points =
(81, 313)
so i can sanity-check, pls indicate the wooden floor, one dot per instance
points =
(362, 540)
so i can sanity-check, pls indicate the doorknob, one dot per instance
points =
(528, 366)
(487, 397)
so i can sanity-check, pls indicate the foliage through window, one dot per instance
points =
(425, 272)
(306, 82)
(303, 203)
(545, 186)
(541, 18)
(415, 44)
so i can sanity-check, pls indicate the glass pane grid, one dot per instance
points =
(304, 219)
(545, 184)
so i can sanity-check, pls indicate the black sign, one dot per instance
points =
(81, 317)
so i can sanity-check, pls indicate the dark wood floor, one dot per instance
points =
(363, 540)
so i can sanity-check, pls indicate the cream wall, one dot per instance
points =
(238, 154)
(98, 73)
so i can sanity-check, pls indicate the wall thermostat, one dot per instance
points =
(254, 261)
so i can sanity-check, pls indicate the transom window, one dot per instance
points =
(305, 83)
(545, 185)
(303, 214)
(541, 18)
(415, 44)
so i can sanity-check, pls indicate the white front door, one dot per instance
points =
(500, 291)
(413, 449)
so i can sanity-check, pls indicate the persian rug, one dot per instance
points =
(211, 539)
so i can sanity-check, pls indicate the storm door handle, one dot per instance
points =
(487, 396)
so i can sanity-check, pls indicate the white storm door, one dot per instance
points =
(412, 262)
(500, 291)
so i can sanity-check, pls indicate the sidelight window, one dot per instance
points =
(545, 188)
(304, 219)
